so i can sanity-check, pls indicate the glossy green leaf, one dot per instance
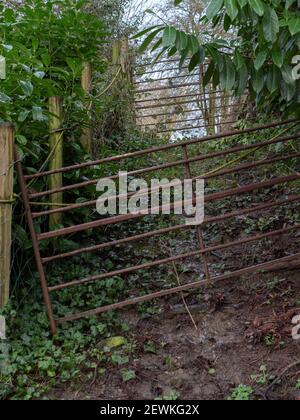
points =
(232, 8)
(169, 36)
(149, 39)
(27, 87)
(257, 6)
(270, 25)
(213, 8)
(260, 59)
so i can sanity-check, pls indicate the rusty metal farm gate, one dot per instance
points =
(171, 99)
(262, 149)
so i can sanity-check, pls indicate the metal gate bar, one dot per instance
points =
(196, 285)
(255, 209)
(144, 152)
(131, 173)
(240, 168)
(203, 250)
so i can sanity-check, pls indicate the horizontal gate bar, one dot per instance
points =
(181, 76)
(169, 113)
(184, 111)
(260, 267)
(171, 259)
(208, 198)
(229, 215)
(162, 148)
(192, 160)
(217, 124)
(162, 70)
(184, 103)
(179, 96)
(140, 171)
(156, 89)
(193, 128)
(155, 63)
(198, 118)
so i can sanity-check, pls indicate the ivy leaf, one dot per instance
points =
(177, 2)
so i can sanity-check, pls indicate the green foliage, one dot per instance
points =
(128, 375)
(44, 44)
(241, 393)
(173, 395)
(40, 65)
(32, 363)
(261, 378)
(263, 38)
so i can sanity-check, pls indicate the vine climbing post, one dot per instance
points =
(86, 83)
(56, 157)
(6, 200)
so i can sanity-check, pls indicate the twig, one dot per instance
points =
(183, 298)
(179, 284)
(284, 372)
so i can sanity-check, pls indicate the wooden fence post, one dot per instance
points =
(6, 194)
(86, 82)
(116, 50)
(125, 59)
(56, 157)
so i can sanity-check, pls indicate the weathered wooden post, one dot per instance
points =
(116, 53)
(125, 60)
(6, 194)
(56, 157)
(86, 83)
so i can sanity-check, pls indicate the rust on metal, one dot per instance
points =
(247, 211)
(196, 285)
(188, 161)
(144, 152)
(203, 251)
